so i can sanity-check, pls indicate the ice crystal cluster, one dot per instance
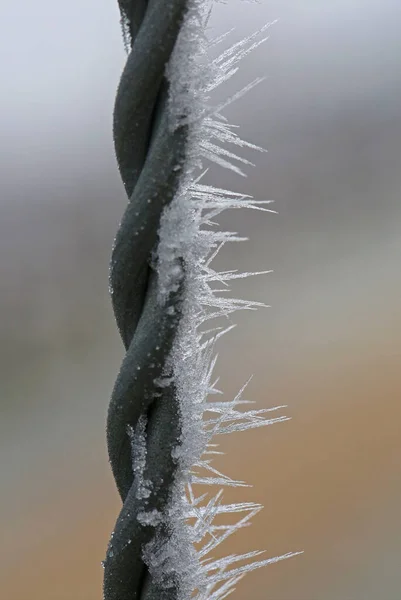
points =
(189, 241)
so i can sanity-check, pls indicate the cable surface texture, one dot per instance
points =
(147, 152)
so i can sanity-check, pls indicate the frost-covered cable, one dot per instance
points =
(162, 416)
(148, 154)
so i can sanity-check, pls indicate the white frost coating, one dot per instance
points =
(152, 517)
(187, 238)
(138, 453)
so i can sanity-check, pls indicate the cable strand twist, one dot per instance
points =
(148, 153)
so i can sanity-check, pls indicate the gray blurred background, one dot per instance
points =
(329, 346)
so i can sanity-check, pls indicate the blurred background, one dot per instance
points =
(329, 346)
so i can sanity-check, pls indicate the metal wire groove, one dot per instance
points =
(146, 152)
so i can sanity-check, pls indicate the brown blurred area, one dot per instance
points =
(329, 347)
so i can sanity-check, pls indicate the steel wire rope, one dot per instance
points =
(147, 153)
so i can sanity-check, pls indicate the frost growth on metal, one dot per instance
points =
(188, 243)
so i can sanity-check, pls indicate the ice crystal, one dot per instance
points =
(189, 241)
(138, 451)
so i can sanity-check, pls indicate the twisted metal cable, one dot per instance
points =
(147, 155)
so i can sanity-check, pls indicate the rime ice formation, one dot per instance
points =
(189, 241)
